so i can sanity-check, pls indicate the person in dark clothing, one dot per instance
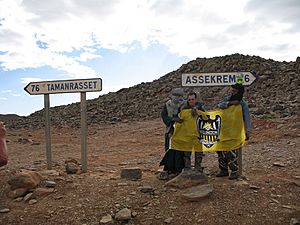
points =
(173, 160)
(230, 158)
(193, 104)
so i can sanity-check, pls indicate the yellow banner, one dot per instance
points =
(218, 130)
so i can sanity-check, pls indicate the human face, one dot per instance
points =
(234, 91)
(177, 99)
(192, 100)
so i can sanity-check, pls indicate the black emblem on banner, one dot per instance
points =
(209, 130)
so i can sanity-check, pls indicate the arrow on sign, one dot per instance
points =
(64, 86)
(217, 79)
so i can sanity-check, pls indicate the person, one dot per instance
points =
(230, 158)
(3, 147)
(173, 160)
(193, 104)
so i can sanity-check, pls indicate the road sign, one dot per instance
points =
(64, 86)
(217, 79)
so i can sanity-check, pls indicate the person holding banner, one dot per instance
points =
(173, 160)
(193, 104)
(229, 159)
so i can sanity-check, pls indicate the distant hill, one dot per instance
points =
(275, 94)
(7, 118)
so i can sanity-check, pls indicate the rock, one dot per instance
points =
(42, 192)
(19, 192)
(133, 173)
(295, 221)
(107, 219)
(279, 164)
(240, 183)
(25, 141)
(49, 183)
(123, 215)
(49, 173)
(198, 193)
(147, 189)
(186, 179)
(274, 200)
(36, 143)
(169, 220)
(19, 199)
(4, 210)
(27, 197)
(71, 167)
(32, 201)
(254, 187)
(26, 179)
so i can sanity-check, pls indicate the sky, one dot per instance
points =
(127, 42)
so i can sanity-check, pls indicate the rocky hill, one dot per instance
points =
(273, 95)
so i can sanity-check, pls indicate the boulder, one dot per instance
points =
(198, 193)
(25, 179)
(187, 178)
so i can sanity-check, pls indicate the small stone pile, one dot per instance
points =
(274, 95)
(25, 187)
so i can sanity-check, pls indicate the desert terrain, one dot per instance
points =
(269, 194)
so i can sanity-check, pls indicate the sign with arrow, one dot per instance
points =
(64, 86)
(217, 79)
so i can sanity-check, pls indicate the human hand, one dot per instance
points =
(177, 119)
(194, 112)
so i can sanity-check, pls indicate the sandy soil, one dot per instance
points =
(269, 195)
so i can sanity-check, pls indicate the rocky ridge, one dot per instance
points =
(273, 95)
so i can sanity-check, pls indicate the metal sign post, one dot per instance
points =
(65, 86)
(47, 131)
(83, 132)
(220, 79)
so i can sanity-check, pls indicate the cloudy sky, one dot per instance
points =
(126, 42)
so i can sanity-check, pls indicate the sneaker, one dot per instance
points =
(222, 173)
(233, 176)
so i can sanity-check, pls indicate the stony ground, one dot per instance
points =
(269, 195)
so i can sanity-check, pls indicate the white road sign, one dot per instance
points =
(64, 86)
(217, 79)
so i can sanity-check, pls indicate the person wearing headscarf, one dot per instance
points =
(172, 161)
(229, 159)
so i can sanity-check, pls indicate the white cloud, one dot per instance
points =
(34, 34)
(10, 92)
(6, 91)
(16, 95)
(85, 56)
(27, 80)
